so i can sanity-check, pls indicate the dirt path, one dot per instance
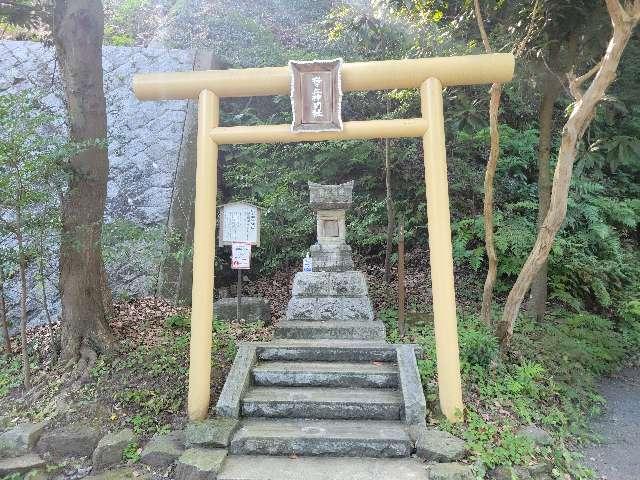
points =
(618, 456)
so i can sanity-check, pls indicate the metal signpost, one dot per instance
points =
(240, 228)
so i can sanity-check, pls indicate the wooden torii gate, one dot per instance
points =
(430, 75)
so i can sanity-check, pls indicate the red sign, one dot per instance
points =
(240, 256)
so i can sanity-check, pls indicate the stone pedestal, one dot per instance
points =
(331, 258)
(332, 301)
(330, 296)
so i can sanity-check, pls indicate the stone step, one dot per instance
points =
(331, 330)
(249, 467)
(340, 438)
(323, 403)
(327, 351)
(326, 374)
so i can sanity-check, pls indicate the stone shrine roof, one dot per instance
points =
(330, 197)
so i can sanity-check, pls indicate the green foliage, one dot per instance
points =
(9, 374)
(550, 382)
(496, 445)
(132, 381)
(132, 453)
(177, 321)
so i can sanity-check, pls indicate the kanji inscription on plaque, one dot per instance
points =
(316, 95)
(239, 222)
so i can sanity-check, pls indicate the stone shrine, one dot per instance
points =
(333, 293)
(331, 252)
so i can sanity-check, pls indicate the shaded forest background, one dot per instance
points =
(594, 262)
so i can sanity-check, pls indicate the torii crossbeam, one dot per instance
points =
(430, 75)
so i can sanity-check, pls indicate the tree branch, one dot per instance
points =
(576, 82)
(616, 12)
(483, 32)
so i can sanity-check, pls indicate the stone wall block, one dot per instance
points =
(111, 447)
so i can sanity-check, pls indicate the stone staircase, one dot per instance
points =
(307, 404)
(328, 398)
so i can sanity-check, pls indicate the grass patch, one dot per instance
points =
(549, 379)
(10, 374)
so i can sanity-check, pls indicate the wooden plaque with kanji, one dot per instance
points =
(316, 96)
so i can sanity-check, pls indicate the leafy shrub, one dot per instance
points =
(478, 345)
(10, 374)
(177, 321)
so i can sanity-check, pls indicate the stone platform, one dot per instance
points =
(252, 309)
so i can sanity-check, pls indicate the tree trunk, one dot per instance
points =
(78, 31)
(43, 285)
(494, 153)
(3, 317)
(580, 118)
(391, 216)
(45, 299)
(487, 210)
(22, 267)
(552, 89)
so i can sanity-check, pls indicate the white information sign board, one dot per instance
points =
(240, 256)
(239, 222)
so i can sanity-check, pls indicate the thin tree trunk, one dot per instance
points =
(43, 287)
(78, 32)
(551, 92)
(3, 317)
(391, 216)
(487, 210)
(45, 299)
(22, 267)
(552, 89)
(401, 281)
(584, 109)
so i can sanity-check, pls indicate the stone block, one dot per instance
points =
(212, 433)
(330, 284)
(331, 258)
(75, 440)
(537, 435)
(111, 447)
(338, 309)
(200, 464)
(415, 405)
(127, 473)
(22, 464)
(252, 309)
(509, 473)
(163, 449)
(326, 438)
(20, 439)
(451, 471)
(327, 351)
(540, 471)
(237, 382)
(297, 330)
(434, 445)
